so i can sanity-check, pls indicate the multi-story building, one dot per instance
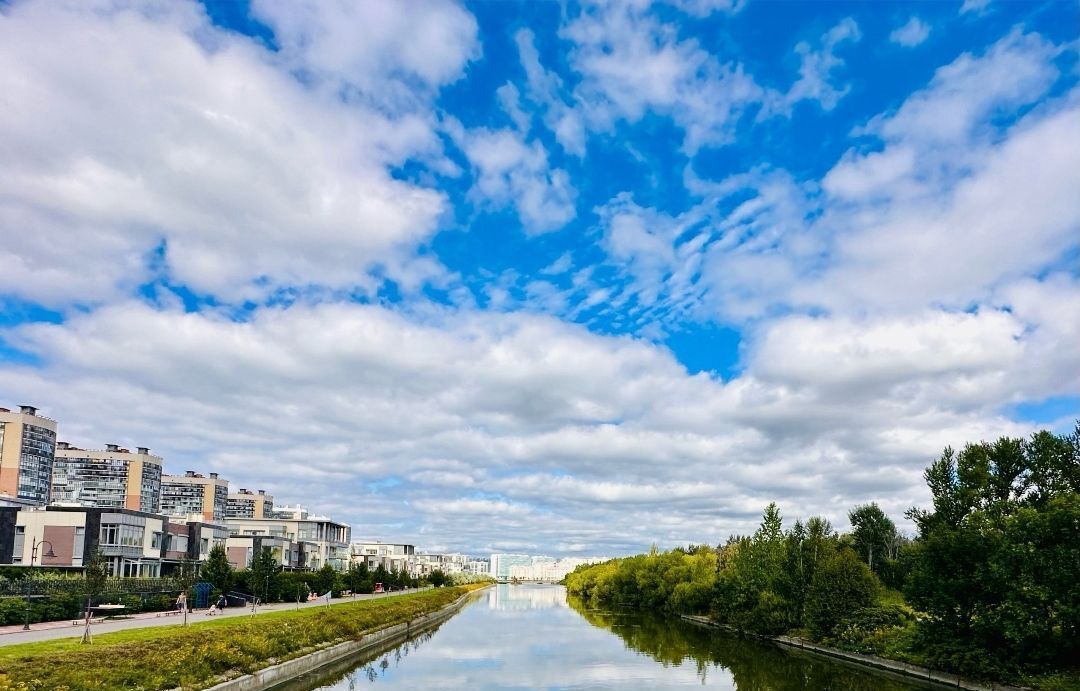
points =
(194, 496)
(241, 549)
(27, 445)
(114, 477)
(134, 543)
(391, 556)
(248, 504)
(320, 539)
(501, 563)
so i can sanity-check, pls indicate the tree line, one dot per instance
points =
(988, 586)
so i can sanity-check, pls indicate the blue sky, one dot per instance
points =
(546, 277)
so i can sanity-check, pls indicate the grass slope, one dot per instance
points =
(202, 654)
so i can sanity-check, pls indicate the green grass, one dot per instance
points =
(201, 654)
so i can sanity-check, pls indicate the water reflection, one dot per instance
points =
(749, 664)
(531, 637)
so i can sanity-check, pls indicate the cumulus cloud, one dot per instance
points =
(631, 64)
(497, 428)
(911, 34)
(145, 136)
(511, 172)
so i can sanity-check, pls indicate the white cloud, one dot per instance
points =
(510, 172)
(136, 131)
(973, 6)
(545, 88)
(632, 64)
(518, 428)
(816, 68)
(911, 34)
(387, 50)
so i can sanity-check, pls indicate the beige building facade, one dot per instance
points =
(113, 477)
(195, 496)
(27, 447)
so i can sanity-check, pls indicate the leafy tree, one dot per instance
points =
(842, 585)
(185, 578)
(96, 575)
(263, 575)
(874, 534)
(217, 569)
(994, 565)
(438, 579)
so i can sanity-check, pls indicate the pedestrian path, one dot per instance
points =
(51, 630)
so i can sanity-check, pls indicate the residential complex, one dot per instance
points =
(113, 477)
(134, 543)
(321, 539)
(248, 504)
(27, 445)
(391, 556)
(194, 495)
(59, 502)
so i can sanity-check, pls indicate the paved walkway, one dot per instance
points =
(50, 630)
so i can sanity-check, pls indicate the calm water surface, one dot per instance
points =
(530, 636)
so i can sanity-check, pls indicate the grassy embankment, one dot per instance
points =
(204, 653)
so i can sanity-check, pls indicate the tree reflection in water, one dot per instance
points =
(754, 665)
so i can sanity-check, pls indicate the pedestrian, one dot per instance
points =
(222, 602)
(181, 602)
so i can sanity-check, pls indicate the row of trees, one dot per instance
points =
(265, 579)
(991, 579)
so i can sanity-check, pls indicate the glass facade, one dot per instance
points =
(35, 463)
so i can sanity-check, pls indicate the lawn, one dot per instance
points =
(203, 653)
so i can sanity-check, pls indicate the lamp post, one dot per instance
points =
(35, 543)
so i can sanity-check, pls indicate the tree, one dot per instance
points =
(96, 576)
(438, 579)
(217, 569)
(842, 586)
(873, 533)
(994, 565)
(263, 575)
(185, 577)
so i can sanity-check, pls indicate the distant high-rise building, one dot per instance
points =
(194, 496)
(27, 446)
(501, 563)
(248, 504)
(113, 477)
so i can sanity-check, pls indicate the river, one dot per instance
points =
(530, 636)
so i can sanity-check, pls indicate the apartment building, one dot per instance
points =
(27, 446)
(241, 549)
(248, 504)
(134, 543)
(194, 496)
(320, 539)
(113, 477)
(391, 556)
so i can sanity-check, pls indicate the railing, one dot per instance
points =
(66, 586)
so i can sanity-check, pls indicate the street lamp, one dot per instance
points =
(35, 543)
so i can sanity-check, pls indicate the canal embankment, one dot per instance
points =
(209, 652)
(903, 669)
(275, 675)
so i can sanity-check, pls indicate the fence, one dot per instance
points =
(65, 586)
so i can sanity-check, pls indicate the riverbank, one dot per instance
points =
(873, 661)
(208, 652)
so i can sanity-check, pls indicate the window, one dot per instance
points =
(80, 541)
(110, 534)
(156, 541)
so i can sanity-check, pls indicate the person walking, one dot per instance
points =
(181, 602)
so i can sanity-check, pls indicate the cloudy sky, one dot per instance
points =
(540, 277)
